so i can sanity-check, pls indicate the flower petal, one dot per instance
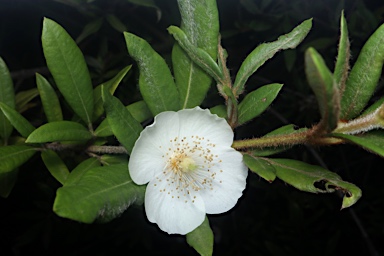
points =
(228, 183)
(146, 160)
(174, 211)
(201, 122)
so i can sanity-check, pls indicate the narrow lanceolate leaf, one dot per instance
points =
(139, 111)
(342, 62)
(49, 99)
(23, 99)
(198, 55)
(266, 51)
(289, 130)
(323, 85)
(257, 101)
(123, 125)
(314, 179)
(80, 170)
(155, 81)
(371, 141)
(200, 23)
(102, 192)
(17, 120)
(59, 131)
(201, 239)
(55, 165)
(12, 157)
(260, 166)
(364, 76)
(89, 29)
(67, 66)
(111, 85)
(7, 96)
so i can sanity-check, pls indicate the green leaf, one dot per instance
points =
(261, 167)
(102, 192)
(55, 165)
(323, 85)
(49, 99)
(257, 101)
(7, 96)
(201, 27)
(343, 56)
(314, 179)
(198, 55)
(116, 23)
(80, 170)
(219, 110)
(23, 99)
(90, 29)
(266, 51)
(139, 111)
(12, 157)
(372, 141)
(68, 68)
(364, 76)
(59, 131)
(17, 120)
(111, 85)
(7, 182)
(201, 239)
(123, 125)
(289, 129)
(156, 82)
(114, 159)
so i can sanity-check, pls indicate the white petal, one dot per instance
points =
(146, 159)
(201, 122)
(228, 183)
(174, 213)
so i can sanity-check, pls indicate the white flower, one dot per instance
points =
(187, 158)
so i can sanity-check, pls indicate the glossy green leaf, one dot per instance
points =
(23, 99)
(19, 122)
(102, 192)
(261, 167)
(198, 55)
(201, 239)
(314, 179)
(256, 102)
(114, 159)
(7, 96)
(68, 68)
(139, 111)
(364, 76)
(266, 51)
(343, 56)
(123, 125)
(372, 141)
(55, 165)
(76, 174)
(59, 131)
(284, 130)
(112, 85)
(323, 85)
(90, 29)
(12, 157)
(219, 110)
(155, 81)
(201, 27)
(49, 99)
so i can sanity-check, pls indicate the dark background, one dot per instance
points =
(270, 219)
